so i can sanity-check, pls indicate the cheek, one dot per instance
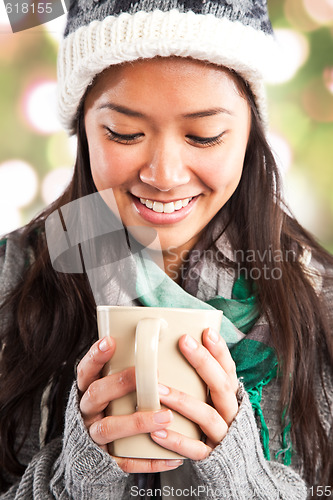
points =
(224, 171)
(109, 168)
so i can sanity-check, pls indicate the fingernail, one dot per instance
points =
(213, 336)
(190, 343)
(162, 417)
(174, 463)
(104, 344)
(160, 434)
(163, 390)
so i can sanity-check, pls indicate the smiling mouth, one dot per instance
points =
(166, 208)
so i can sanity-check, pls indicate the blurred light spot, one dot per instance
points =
(10, 218)
(39, 107)
(328, 79)
(55, 28)
(317, 101)
(301, 199)
(294, 51)
(298, 17)
(320, 10)
(18, 183)
(54, 183)
(281, 150)
(4, 21)
(73, 145)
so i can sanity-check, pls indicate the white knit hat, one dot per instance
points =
(99, 33)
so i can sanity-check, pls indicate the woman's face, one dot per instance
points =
(169, 136)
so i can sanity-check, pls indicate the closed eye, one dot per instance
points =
(206, 141)
(122, 138)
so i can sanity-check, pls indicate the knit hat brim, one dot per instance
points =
(145, 35)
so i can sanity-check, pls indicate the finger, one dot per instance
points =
(110, 428)
(136, 465)
(91, 364)
(106, 389)
(208, 419)
(217, 346)
(190, 448)
(88, 421)
(217, 380)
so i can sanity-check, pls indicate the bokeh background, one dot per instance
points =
(37, 157)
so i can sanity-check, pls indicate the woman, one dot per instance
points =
(177, 133)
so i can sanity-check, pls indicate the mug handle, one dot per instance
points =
(146, 363)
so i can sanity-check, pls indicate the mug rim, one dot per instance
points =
(175, 309)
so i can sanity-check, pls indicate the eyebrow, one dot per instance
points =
(131, 112)
(122, 109)
(208, 112)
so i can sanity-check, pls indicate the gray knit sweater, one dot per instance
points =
(74, 467)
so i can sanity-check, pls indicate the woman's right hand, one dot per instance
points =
(96, 392)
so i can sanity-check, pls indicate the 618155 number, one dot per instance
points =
(24, 8)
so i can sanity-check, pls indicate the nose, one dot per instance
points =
(165, 168)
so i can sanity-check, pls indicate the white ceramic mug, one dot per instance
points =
(147, 338)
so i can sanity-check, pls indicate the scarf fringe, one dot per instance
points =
(287, 449)
(255, 396)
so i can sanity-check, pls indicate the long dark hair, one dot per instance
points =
(53, 322)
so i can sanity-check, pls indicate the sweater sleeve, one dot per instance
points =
(237, 469)
(83, 470)
(72, 467)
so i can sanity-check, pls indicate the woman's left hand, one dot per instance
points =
(214, 364)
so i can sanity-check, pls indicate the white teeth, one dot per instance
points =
(157, 207)
(167, 208)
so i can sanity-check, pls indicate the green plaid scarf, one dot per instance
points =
(255, 359)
